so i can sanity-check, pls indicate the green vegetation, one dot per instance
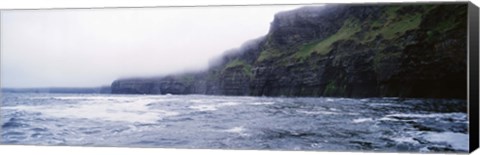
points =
(349, 28)
(247, 68)
(428, 7)
(391, 25)
(404, 24)
(235, 63)
(391, 12)
(445, 25)
(376, 24)
(187, 79)
(268, 54)
(441, 28)
(213, 74)
(306, 50)
(394, 25)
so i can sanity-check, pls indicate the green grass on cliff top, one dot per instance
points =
(390, 25)
(349, 28)
(406, 23)
(395, 24)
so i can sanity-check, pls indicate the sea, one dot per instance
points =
(235, 122)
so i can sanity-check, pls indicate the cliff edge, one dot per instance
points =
(403, 50)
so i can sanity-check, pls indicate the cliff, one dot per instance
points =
(414, 50)
(67, 90)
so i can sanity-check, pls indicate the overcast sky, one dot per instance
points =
(93, 47)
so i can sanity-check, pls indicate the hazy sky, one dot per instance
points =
(93, 47)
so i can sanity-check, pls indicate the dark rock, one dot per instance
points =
(338, 50)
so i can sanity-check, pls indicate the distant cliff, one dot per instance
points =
(338, 50)
(68, 90)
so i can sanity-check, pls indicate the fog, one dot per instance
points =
(93, 47)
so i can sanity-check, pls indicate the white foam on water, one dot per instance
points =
(360, 120)
(204, 107)
(116, 98)
(458, 141)
(329, 100)
(350, 113)
(388, 104)
(334, 109)
(317, 112)
(436, 116)
(92, 98)
(239, 129)
(229, 104)
(387, 119)
(212, 107)
(103, 109)
(198, 101)
(261, 103)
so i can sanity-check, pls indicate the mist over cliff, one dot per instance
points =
(400, 50)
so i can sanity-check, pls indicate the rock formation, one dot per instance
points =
(414, 50)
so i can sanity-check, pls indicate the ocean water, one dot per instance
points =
(221, 122)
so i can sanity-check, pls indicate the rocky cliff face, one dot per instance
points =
(339, 50)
